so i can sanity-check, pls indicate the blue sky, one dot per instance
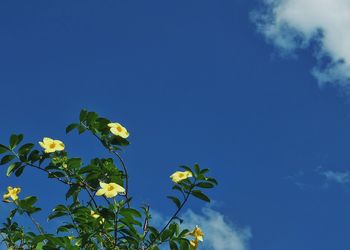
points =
(193, 81)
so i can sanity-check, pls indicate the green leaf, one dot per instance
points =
(39, 246)
(64, 228)
(70, 127)
(131, 211)
(204, 171)
(200, 195)
(13, 167)
(73, 189)
(30, 200)
(187, 168)
(117, 140)
(74, 163)
(19, 171)
(55, 215)
(205, 185)
(102, 125)
(83, 115)
(32, 210)
(34, 156)
(6, 159)
(212, 180)
(166, 234)
(15, 140)
(3, 149)
(184, 233)
(60, 208)
(184, 245)
(24, 150)
(173, 245)
(81, 129)
(175, 200)
(91, 118)
(197, 169)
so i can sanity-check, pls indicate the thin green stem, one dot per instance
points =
(121, 161)
(172, 217)
(37, 225)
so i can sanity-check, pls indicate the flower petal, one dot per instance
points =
(103, 185)
(100, 192)
(47, 140)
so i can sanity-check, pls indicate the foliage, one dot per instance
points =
(107, 223)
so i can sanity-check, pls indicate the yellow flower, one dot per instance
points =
(96, 216)
(13, 193)
(179, 176)
(118, 129)
(193, 244)
(51, 145)
(110, 189)
(197, 233)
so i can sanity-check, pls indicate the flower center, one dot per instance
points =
(52, 145)
(110, 188)
(119, 129)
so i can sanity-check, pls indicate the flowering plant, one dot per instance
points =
(109, 222)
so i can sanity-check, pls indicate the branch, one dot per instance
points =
(172, 217)
(121, 161)
(37, 225)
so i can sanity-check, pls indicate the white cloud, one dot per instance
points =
(338, 177)
(298, 24)
(220, 234)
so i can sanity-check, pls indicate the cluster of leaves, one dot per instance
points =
(91, 223)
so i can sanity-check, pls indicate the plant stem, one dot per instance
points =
(126, 176)
(37, 225)
(121, 161)
(172, 217)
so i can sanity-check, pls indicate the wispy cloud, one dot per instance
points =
(337, 177)
(296, 24)
(220, 233)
